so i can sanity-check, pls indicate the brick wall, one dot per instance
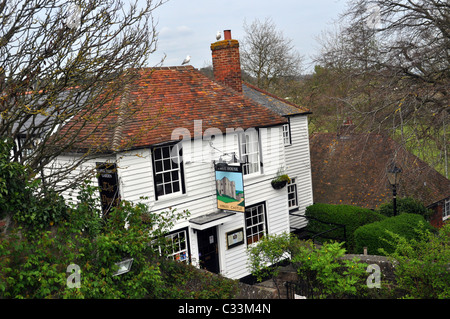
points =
(226, 62)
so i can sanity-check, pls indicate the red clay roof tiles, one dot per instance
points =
(167, 98)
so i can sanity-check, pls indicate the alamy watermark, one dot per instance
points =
(74, 279)
(374, 279)
(73, 19)
(373, 19)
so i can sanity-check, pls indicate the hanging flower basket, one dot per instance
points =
(278, 184)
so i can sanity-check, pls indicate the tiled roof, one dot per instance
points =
(351, 169)
(273, 102)
(167, 98)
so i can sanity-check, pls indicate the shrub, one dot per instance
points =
(350, 216)
(267, 253)
(376, 236)
(422, 265)
(14, 185)
(407, 205)
(325, 275)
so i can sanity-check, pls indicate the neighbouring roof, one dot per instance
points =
(273, 102)
(351, 169)
(167, 98)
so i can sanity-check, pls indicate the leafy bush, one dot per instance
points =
(14, 187)
(407, 205)
(376, 236)
(350, 216)
(269, 251)
(325, 275)
(422, 264)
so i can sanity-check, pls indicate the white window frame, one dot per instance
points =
(446, 209)
(166, 169)
(249, 152)
(255, 223)
(286, 134)
(179, 251)
(292, 189)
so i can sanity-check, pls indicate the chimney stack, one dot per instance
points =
(226, 62)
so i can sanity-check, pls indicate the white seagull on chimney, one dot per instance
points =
(218, 35)
(188, 58)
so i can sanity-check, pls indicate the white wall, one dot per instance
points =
(299, 166)
(136, 181)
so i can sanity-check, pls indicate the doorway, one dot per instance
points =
(208, 249)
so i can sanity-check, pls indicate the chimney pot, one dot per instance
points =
(227, 34)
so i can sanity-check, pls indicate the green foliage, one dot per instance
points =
(18, 195)
(350, 216)
(422, 264)
(405, 205)
(184, 281)
(269, 251)
(35, 263)
(378, 234)
(326, 275)
(14, 188)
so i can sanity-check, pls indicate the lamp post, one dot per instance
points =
(393, 174)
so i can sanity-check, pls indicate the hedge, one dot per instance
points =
(375, 236)
(350, 216)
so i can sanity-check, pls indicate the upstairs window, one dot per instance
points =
(249, 148)
(167, 170)
(286, 134)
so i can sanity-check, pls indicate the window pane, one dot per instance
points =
(166, 152)
(158, 166)
(176, 187)
(167, 166)
(157, 153)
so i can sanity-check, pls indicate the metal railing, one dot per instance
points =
(337, 226)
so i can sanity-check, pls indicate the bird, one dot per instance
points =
(188, 58)
(218, 35)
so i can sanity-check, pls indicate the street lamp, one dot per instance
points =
(393, 174)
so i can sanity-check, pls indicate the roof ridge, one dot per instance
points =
(275, 96)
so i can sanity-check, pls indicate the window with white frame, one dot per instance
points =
(446, 212)
(249, 148)
(255, 223)
(167, 170)
(286, 134)
(292, 194)
(175, 246)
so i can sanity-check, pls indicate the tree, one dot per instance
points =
(61, 64)
(267, 55)
(394, 53)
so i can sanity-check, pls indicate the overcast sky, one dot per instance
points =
(188, 27)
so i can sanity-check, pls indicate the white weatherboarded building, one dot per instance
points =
(202, 123)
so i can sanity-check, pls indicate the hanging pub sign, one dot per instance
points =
(108, 182)
(230, 187)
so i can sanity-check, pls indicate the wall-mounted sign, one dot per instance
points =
(108, 182)
(230, 187)
(235, 238)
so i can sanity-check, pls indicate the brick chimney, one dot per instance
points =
(226, 62)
